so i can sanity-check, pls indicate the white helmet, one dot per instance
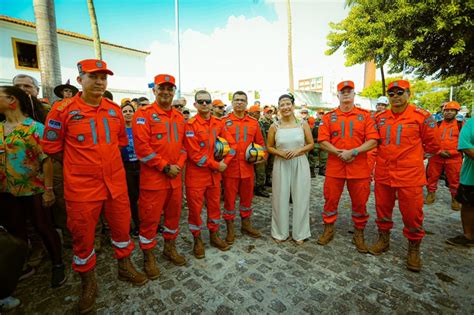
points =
(382, 100)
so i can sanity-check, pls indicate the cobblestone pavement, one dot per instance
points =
(260, 276)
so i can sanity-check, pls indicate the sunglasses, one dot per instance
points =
(178, 106)
(202, 102)
(399, 93)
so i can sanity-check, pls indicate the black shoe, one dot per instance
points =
(58, 277)
(460, 240)
(160, 229)
(134, 233)
(261, 193)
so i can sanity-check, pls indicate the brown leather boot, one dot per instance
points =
(358, 240)
(230, 237)
(217, 242)
(150, 266)
(413, 257)
(455, 205)
(170, 253)
(430, 198)
(198, 248)
(89, 291)
(127, 272)
(328, 234)
(382, 244)
(248, 229)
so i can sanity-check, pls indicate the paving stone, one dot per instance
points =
(258, 276)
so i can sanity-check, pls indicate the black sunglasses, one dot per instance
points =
(202, 102)
(399, 93)
(178, 106)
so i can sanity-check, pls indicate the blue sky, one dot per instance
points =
(138, 22)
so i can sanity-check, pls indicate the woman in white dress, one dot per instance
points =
(289, 140)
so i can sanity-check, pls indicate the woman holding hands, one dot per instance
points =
(289, 140)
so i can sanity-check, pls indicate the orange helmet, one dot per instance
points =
(452, 105)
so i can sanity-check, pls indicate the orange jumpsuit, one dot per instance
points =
(238, 178)
(449, 136)
(347, 131)
(400, 169)
(202, 177)
(94, 177)
(158, 139)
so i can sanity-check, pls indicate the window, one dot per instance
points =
(25, 54)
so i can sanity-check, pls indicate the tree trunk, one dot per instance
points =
(95, 30)
(383, 80)
(290, 50)
(49, 63)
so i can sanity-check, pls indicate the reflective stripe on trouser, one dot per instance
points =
(195, 197)
(410, 202)
(452, 172)
(238, 186)
(359, 190)
(82, 218)
(151, 204)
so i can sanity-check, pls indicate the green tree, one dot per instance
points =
(428, 38)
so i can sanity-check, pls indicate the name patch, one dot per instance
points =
(141, 121)
(189, 134)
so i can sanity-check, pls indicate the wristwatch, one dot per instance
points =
(355, 153)
(166, 169)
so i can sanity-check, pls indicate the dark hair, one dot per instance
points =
(29, 105)
(143, 98)
(108, 95)
(201, 92)
(289, 96)
(186, 111)
(240, 93)
(127, 104)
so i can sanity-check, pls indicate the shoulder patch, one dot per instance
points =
(60, 106)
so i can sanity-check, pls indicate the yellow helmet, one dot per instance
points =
(221, 148)
(254, 153)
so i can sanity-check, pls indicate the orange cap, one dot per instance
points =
(254, 109)
(164, 78)
(343, 84)
(403, 84)
(452, 105)
(93, 65)
(218, 103)
(267, 109)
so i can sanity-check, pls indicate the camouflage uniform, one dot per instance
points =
(318, 156)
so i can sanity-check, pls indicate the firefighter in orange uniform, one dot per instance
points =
(449, 158)
(85, 133)
(158, 132)
(238, 178)
(203, 171)
(407, 133)
(347, 133)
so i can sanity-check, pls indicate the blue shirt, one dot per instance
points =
(466, 141)
(128, 153)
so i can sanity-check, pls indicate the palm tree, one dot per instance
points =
(49, 63)
(95, 29)
(290, 50)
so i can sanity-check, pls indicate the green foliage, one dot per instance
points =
(428, 38)
(430, 94)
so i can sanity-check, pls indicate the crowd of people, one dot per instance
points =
(87, 165)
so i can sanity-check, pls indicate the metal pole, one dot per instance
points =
(451, 94)
(176, 9)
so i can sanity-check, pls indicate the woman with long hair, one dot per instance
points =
(132, 167)
(26, 176)
(289, 139)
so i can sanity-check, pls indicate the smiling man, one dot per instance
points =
(158, 131)
(407, 133)
(85, 133)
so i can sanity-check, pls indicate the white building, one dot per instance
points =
(19, 54)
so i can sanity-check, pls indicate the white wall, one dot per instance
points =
(129, 79)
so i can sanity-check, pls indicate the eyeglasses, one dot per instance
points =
(178, 106)
(168, 88)
(202, 102)
(399, 93)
